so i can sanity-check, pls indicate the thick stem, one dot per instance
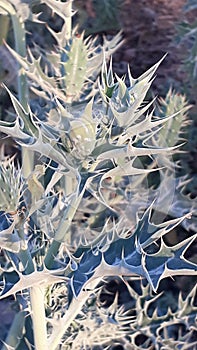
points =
(51, 254)
(37, 294)
(62, 231)
(63, 228)
(28, 162)
(24, 254)
(26, 259)
(74, 309)
(65, 223)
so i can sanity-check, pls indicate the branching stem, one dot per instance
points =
(37, 294)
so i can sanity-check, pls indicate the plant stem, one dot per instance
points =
(52, 253)
(75, 307)
(20, 47)
(15, 332)
(4, 27)
(68, 35)
(26, 259)
(37, 294)
(69, 23)
(23, 93)
(62, 230)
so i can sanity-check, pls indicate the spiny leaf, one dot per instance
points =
(132, 151)
(131, 98)
(74, 68)
(147, 124)
(44, 147)
(168, 261)
(169, 133)
(131, 115)
(38, 142)
(37, 278)
(61, 9)
(149, 232)
(124, 168)
(14, 129)
(128, 257)
(9, 239)
(187, 305)
(11, 186)
(24, 115)
(107, 83)
(33, 69)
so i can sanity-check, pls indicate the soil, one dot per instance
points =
(149, 27)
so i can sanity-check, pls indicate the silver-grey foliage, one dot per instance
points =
(97, 200)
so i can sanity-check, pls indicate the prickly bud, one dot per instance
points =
(82, 136)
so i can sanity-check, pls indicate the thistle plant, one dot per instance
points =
(186, 39)
(87, 210)
(187, 35)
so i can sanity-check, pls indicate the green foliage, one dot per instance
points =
(87, 210)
